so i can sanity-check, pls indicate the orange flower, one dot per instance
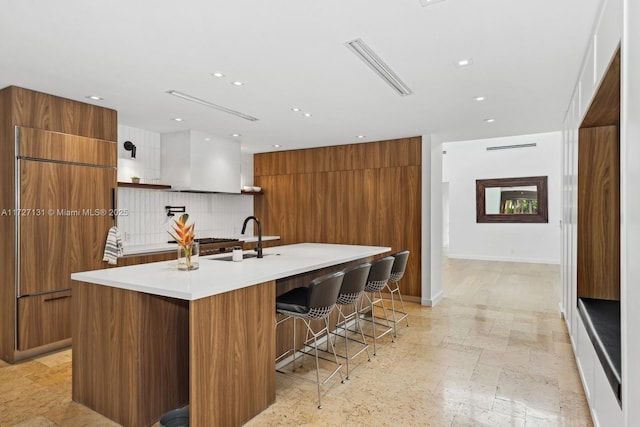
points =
(184, 234)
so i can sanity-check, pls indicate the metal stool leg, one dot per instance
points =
(400, 260)
(342, 323)
(404, 316)
(372, 301)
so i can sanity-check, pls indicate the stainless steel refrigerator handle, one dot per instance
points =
(16, 275)
(17, 209)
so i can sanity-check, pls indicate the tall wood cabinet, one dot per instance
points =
(58, 161)
(367, 194)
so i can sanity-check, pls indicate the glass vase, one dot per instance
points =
(188, 256)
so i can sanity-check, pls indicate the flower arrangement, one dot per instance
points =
(185, 237)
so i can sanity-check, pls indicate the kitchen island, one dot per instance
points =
(149, 338)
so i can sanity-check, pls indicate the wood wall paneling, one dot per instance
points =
(598, 252)
(400, 219)
(598, 256)
(130, 353)
(241, 323)
(374, 155)
(367, 194)
(605, 106)
(48, 112)
(7, 230)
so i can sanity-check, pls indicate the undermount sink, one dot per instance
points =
(244, 256)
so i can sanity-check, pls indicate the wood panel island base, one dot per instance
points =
(149, 338)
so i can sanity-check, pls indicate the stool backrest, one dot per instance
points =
(379, 273)
(323, 291)
(355, 279)
(399, 265)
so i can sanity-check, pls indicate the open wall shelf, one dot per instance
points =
(144, 186)
(598, 228)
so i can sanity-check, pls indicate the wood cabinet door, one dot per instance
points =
(42, 144)
(44, 319)
(66, 229)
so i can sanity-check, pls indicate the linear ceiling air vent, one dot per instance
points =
(424, 3)
(212, 105)
(508, 147)
(364, 52)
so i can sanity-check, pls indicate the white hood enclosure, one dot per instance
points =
(195, 161)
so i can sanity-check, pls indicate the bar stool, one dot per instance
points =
(315, 302)
(376, 281)
(397, 271)
(355, 279)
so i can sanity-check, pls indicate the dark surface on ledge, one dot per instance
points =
(145, 186)
(602, 321)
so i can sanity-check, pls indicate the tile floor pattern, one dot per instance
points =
(494, 352)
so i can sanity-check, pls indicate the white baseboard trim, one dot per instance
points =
(561, 310)
(430, 302)
(504, 259)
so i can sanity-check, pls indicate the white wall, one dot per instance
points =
(467, 161)
(215, 215)
(146, 165)
(431, 238)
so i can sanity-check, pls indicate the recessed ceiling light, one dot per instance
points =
(307, 114)
(235, 135)
(217, 74)
(296, 109)
(277, 145)
(94, 97)
(207, 139)
(178, 119)
(489, 120)
(237, 83)
(360, 136)
(464, 62)
(480, 98)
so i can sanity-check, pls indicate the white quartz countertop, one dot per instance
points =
(166, 247)
(216, 277)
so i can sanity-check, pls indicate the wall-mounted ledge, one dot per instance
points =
(601, 319)
(144, 186)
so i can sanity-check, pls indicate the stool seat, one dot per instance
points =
(294, 301)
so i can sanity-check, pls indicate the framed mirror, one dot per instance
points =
(512, 200)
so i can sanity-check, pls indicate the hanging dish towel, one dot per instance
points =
(113, 247)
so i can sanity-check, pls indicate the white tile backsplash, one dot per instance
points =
(215, 214)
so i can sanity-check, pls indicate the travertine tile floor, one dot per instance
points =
(494, 352)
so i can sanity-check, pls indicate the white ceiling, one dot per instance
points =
(290, 53)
